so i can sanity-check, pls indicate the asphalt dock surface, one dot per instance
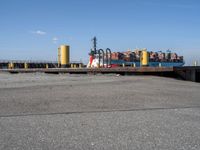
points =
(101, 112)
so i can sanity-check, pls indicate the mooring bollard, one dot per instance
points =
(25, 65)
(11, 65)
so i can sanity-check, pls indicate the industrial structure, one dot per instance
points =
(63, 56)
(137, 58)
(99, 58)
(138, 61)
(63, 61)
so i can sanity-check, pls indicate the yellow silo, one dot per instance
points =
(144, 58)
(63, 55)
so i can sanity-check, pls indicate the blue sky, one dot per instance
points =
(33, 29)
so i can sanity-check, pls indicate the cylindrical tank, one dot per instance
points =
(64, 52)
(144, 58)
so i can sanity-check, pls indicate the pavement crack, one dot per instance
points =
(96, 111)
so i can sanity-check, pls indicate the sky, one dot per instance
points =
(34, 29)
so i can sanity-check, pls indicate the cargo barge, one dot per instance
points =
(136, 58)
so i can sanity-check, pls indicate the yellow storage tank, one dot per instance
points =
(64, 55)
(144, 58)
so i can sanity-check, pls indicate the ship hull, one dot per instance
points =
(151, 64)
